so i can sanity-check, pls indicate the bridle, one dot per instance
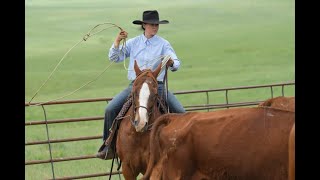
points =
(149, 111)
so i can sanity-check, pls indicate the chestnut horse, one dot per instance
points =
(132, 145)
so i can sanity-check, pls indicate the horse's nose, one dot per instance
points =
(135, 122)
(145, 127)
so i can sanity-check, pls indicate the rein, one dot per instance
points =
(162, 108)
(158, 99)
(131, 103)
(134, 107)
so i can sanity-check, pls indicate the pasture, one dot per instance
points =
(221, 43)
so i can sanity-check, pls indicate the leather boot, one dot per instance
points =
(105, 152)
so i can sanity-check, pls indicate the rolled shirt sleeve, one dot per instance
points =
(119, 54)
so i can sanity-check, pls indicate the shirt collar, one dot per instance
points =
(151, 40)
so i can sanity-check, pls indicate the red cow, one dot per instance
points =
(292, 154)
(237, 143)
(286, 103)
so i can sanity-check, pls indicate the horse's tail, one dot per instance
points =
(155, 143)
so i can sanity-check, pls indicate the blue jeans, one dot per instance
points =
(115, 106)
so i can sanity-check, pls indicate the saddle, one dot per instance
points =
(110, 141)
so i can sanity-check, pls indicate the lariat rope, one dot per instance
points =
(85, 37)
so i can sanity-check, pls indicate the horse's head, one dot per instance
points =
(144, 92)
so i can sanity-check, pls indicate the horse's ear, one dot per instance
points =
(156, 72)
(136, 68)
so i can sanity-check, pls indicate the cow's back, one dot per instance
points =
(240, 143)
(280, 102)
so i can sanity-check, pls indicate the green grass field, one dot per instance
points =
(221, 43)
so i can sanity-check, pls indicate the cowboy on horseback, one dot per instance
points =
(144, 49)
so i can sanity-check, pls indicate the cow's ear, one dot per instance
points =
(136, 68)
(156, 72)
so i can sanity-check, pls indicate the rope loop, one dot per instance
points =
(85, 37)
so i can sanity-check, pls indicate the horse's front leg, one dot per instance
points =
(128, 173)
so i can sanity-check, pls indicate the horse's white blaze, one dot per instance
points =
(142, 112)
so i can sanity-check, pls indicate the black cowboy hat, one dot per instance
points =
(150, 17)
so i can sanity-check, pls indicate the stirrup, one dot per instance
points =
(103, 153)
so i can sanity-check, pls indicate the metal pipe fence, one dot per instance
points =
(196, 107)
